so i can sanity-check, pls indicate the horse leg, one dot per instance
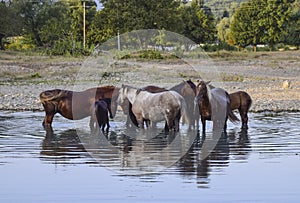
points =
(147, 121)
(140, 121)
(93, 120)
(244, 118)
(225, 125)
(47, 122)
(203, 125)
(107, 124)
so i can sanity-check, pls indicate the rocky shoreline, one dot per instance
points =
(22, 82)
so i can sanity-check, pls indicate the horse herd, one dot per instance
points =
(148, 105)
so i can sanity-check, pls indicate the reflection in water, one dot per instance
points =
(63, 148)
(134, 154)
(234, 146)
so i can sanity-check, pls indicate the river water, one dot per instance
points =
(261, 164)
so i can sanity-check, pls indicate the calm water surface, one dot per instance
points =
(261, 164)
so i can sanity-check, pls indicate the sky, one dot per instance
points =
(99, 5)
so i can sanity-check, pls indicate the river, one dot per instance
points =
(260, 164)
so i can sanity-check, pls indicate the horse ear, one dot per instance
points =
(207, 82)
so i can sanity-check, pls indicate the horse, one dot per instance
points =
(213, 104)
(187, 89)
(154, 107)
(242, 101)
(101, 111)
(127, 106)
(75, 105)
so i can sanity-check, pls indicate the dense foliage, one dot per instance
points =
(56, 27)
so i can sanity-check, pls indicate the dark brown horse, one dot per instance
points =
(211, 100)
(75, 105)
(242, 101)
(187, 89)
(102, 109)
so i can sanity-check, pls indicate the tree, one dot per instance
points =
(198, 23)
(245, 28)
(10, 21)
(275, 18)
(128, 15)
(260, 21)
(223, 29)
(293, 29)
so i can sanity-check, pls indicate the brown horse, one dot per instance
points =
(75, 105)
(211, 102)
(102, 109)
(242, 101)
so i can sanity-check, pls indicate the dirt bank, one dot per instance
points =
(23, 77)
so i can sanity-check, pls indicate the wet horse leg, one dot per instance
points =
(203, 124)
(244, 117)
(49, 114)
(48, 119)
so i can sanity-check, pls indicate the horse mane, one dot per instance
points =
(178, 87)
(192, 85)
(108, 87)
(49, 95)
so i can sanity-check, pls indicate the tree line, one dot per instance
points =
(57, 27)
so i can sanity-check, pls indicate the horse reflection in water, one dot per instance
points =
(233, 146)
(63, 148)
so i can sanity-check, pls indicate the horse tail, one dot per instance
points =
(232, 117)
(249, 101)
(50, 96)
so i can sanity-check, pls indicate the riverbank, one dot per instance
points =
(262, 75)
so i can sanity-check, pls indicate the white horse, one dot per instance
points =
(154, 107)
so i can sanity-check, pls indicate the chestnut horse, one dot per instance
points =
(242, 101)
(75, 105)
(213, 102)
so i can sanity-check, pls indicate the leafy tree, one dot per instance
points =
(223, 29)
(127, 15)
(260, 21)
(275, 18)
(10, 21)
(198, 22)
(293, 29)
(245, 28)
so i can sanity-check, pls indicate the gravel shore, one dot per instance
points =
(263, 76)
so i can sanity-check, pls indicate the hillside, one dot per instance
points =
(219, 6)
